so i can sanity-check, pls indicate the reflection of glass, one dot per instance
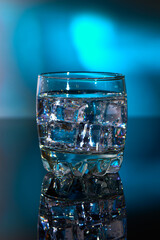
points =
(80, 209)
(81, 120)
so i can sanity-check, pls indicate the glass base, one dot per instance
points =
(80, 164)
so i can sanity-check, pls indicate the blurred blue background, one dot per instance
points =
(41, 36)
(99, 35)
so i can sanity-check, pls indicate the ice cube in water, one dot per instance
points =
(89, 126)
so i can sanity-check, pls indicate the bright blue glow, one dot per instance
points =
(93, 36)
(104, 44)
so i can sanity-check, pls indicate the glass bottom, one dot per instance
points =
(81, 164)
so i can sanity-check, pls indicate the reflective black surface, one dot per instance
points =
(22, 173)
(82, 208)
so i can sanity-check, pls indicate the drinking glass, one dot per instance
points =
(81, 119)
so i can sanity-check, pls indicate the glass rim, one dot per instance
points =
(107, 75)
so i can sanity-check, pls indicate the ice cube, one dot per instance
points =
(81, 113)
(71, 107)
(105, 138)
(70, 115)
(57, 110)
(99, 111)
(83, 140)
(61, 134)
(124, 112)
(113, 113)
(92, 112)
(43, 110)
(119, 134)
(86, 113)
(95, 135)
